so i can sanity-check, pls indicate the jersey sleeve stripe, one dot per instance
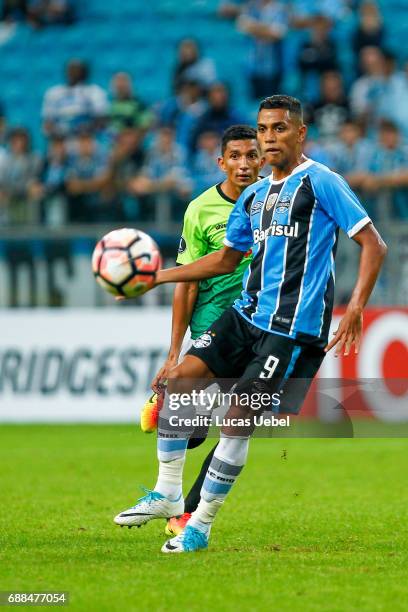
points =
(358, 226)
(228, 243)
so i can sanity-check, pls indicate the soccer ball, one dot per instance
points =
(125, 262)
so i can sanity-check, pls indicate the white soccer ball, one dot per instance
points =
(125, 262)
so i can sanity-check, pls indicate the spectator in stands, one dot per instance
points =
(19, 172)
(50, 12)
(304, 12)
(190, 66)
(3, 158)
(3, 134)
(74, 106)
(3, 126)
(182, 111)
(316, 56)
(13, 10)
(164, 175)
(318, 152)
(333, 109)
(49, 189)
(205, 171)
(366, 90)
(127, 160)
(382, 92)
(369, 31)
(219, 114)
(126, 107)
(351, 153)
(392, 99)
(388, 168)
(128, 154)
(266, 23)
(230, 9)
(89, 184)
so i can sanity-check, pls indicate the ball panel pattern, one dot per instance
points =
(125, 261)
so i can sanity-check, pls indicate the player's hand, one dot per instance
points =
(348, 332)
(163, 374)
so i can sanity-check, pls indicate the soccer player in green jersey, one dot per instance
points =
(198, 305)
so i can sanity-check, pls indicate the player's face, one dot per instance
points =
(241, 162)
(280, 136)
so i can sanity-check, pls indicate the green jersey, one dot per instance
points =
(205, 222)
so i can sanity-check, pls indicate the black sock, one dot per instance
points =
(192, 499)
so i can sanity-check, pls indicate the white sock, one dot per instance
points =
(169, 481)
(232, 450)
(229, 458)
(203, 517)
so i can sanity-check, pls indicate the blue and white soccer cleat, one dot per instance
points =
(151, 506)
(190, 540)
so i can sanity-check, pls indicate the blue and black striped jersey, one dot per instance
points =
(292, 226)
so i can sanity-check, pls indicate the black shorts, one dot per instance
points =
(234, 348)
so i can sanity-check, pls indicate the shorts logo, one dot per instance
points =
(256, 207)
(220, 226)
(270, 202)
(182, 246)
(203, 341)
(279, 319)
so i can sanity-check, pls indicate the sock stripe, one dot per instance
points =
(219, 476)
(166, 445)
(218, 483)
(225, 468)
(228, 460)
(171, 449)
(215, 488)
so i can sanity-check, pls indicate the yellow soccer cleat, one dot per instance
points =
(176, 524)
(150, 413)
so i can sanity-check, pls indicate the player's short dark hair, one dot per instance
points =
(237, 132)
(293, 105)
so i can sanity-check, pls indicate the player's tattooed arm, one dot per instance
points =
(220, 262)
(184, 299)
(373, 251)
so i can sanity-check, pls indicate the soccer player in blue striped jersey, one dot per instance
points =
(278, 329)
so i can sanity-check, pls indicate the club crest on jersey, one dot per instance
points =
(270, 202)
(256, 207)
(182, 246)
(283, 204)
(202, 341)
(288, 231)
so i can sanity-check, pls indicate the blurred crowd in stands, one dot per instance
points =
(109, 157)
(38, 13)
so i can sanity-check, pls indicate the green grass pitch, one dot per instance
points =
(311, 525)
